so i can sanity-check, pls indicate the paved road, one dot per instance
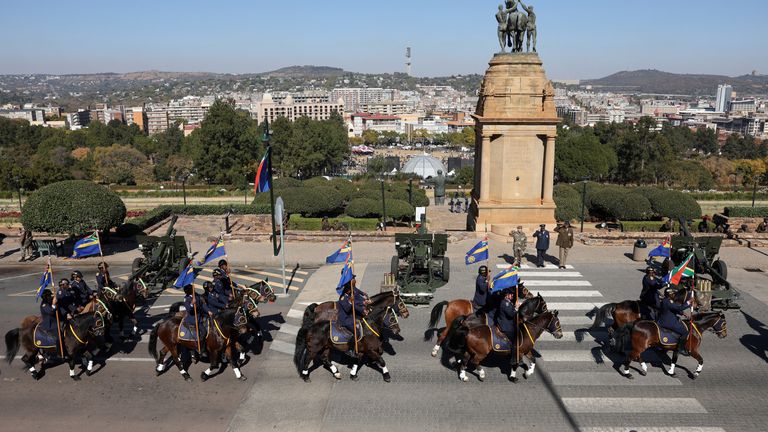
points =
(125, 394)
(575, 386)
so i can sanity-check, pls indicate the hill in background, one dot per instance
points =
(654, 81)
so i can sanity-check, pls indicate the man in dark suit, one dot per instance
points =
(542, 244)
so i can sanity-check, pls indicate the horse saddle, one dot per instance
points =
(499, 340)
(44, 339)
(187, 330)
(340, 335)
(667, 336)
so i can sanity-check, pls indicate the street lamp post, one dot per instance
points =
(246, 190)
(754, 193)
(184, 179)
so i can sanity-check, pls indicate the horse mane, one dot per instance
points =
(704, 316)
(82, 321)
(380, 297)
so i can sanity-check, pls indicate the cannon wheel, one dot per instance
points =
(446, 269)
(137, 263)
(395, 265)
(721, 268)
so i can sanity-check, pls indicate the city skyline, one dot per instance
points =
(576, 40)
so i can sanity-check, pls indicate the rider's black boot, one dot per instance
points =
(681, 346)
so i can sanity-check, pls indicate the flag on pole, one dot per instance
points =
(215, 251)
(680, 272)
(263, 181)
(45, 281)
(346, 276)
(87, 246)
(344, 254)
(477, 253)
(662, 250)
(187, 277)
(506, 279)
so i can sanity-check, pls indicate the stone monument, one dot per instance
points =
(516, 125)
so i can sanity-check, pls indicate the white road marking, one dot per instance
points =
(20, 276)
(632, 405)
(612, 378)
(653, 429)
(560, 274)
(259, 272)
(533, 267)
(565, 306)
(569, 356)
(547, 293)
(565, 320)
(283, 347)
(293, 313)
(289, 329)
(568, 336)
(564, 283)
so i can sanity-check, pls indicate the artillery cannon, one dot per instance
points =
(165, 257)
(712, 287)
(424, 267)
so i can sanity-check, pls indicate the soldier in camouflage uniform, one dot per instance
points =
(519, 245)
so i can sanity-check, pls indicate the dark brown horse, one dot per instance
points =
(640, 336)
(223, 331)
(456, 308)
(314, 340)
(326, 311)
(122, 303)
(472, 344)
(78, 334)
(629, 311)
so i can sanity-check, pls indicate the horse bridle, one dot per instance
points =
(546, 327)
(723, 328)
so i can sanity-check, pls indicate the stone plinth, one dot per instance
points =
(516, 124)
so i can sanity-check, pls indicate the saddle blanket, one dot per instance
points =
(340, 335)
(187, 332)
(667, 336)
(499, 341)
(45, 340)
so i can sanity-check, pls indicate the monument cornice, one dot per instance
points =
(517, 121)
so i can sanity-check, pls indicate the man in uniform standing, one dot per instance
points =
(542, 244)
(26, 245)
(520, 242)
(564, 241)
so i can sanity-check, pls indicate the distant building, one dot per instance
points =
(157, 121)
(723, 101)
(289, 108)
(744, 106)
(137, 116)
(355, 97)
(79, 119)
(388, 107)
(34, 116)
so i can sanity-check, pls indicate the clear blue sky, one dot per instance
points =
(578, 39)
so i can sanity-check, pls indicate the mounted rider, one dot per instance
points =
(104, 281)
(225, 279)
(65, 301)
(196, 309)
(83, 294)
(48, 314)
(506, 313)
(344, 314)
(650, 301)
(220, 295)
(481, 289)
(669, 318)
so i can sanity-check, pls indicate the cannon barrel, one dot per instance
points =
(684, 226)
(158, 256)
(171, 224)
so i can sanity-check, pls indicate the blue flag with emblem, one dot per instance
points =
(187, 277)
(45, 281)
(87, 246)
(662, 250)
(344, 254)
(346, 276)
(506, 279)
(215, 251)
(477, 253)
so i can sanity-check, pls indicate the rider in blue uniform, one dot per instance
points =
(66, 304)
(83, 294)
(103, 280)
(220, 295)
(481, 288)
(344, 314)
(669, 318)
(506, 314)
(226, 280)
(199, 306)
(649, 296)
(48, 314)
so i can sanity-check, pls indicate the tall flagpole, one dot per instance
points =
(56, 297)
(352, 291)
(101, 254)
(229, 271)
(194, 306)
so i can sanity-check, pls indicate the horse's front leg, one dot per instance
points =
(671, 370)
(72, 361)
(532, 367)
(440, 339)
(695, 354)
(214, 356)
(30, 359)
(177, 361)
(161, 360)
(355, 366)
(89, 367)
(230, 354)
(462, 365)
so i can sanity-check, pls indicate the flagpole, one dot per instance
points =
(56, 297)
(101, 254)
(352, 291)
(194, 307)
(229, 271)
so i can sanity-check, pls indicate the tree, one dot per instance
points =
(580, 154)
(377, 165)
(465, 176)
(121, 164)
(751, 170)
(705, 141)
(370, 137)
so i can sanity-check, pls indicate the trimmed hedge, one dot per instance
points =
(73, 207)
(400, 210)
(670, 203)
(756, 212)
(568, 202)
(616, 204)
(364, 208)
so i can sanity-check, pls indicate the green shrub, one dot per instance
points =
(321, 201)
(73, 207)
(670, 203)
(316, 181)
(346, 187)
(400, 210)
(364, 208)
(568, 203)
(613, 203)
(285, 183)
(756, 212)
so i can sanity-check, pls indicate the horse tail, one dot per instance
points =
(457, 336)
(602, 314)
(12, 345)
(152, 347)
(437, 311)
(300, 354)
(174, 309)
(309, 315)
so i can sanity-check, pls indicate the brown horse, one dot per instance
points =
(456, 308)
(629, 311)
(222, 336)
(326, 311)
(122, 303)
(81, 331)
(472, 344)
(314, 340)
(646, 334)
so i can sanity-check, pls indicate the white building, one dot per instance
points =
(724, 94)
